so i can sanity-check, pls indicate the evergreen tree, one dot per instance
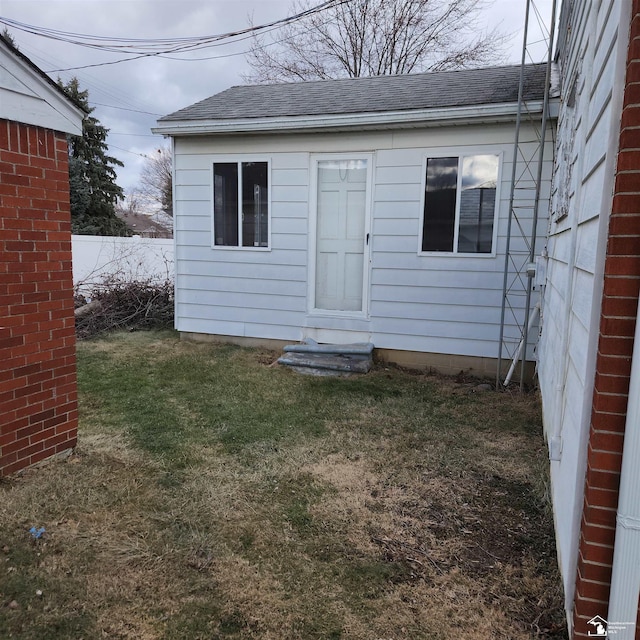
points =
(94, 192)
(8, 36)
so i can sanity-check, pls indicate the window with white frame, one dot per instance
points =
(241, 204)
(460, 203)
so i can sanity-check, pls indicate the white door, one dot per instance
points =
(340, 234)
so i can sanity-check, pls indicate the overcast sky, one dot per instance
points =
(130, 96)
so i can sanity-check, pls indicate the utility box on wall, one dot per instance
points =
(38, 391)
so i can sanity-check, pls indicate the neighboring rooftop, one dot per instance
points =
(492, 85)
(156, 225)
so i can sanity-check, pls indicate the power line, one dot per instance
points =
(135, 153)
(135, 135)
(110, 92)
(111, 106)
(144, 48)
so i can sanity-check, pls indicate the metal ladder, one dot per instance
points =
(517, 317)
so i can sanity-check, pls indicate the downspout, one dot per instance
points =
(625, 577)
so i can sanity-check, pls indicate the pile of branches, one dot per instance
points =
(117, 304)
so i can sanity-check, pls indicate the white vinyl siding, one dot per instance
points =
(436, 303)
(26, 97)
(588, 129)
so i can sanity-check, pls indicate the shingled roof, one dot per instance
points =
(493, 85)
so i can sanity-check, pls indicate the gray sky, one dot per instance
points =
(157, 86)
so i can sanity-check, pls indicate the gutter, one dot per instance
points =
(381, 120)
(625, 578)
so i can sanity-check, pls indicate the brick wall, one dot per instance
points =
(38, 403)
(613, 365)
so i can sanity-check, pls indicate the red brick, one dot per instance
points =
(23, 134)
(601, 516)
(67, 407)
(612, 422)
(31, 450)
(4, 134)
(626, 245)
(629, 159)
(41, 416)
(603, 441)
(609, 402)
(613, 365)
(604, 498)
(12, 157)
(616, 346)
(66, 438)
(8, 190)
(603, 479)
(629, 137)
(39, 456)
(593, 572)
(601, 554)
(623, 265)
(43, 162)
(36, 270)
(56, 420)
(598, 591)
(605, 460)
(67, 444)
(8, 467)
(28, 431)
(19, 444)
(6, 438)
(632, 90)
(43, 434)
(622, 286)
(595, 534)
(18, 224)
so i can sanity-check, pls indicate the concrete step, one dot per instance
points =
(328, 359)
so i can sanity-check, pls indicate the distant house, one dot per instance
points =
(589, 363)
(38, 400)
(358, 210)
(153, 225)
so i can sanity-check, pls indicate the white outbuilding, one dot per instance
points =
(359, 210)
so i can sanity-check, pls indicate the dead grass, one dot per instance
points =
(214, 496)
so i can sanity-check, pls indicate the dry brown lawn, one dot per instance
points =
(215, 496)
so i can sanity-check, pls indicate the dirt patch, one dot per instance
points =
(470, 535)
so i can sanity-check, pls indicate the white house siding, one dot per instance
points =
(28, 98)
(592, 60)
(423, 303)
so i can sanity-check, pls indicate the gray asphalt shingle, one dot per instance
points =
(493, 85)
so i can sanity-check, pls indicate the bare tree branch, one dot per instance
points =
(376, 37)
(156, 179)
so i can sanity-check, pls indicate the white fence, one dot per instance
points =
(97, 258)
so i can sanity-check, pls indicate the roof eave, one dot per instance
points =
(475, 114)
(72, 115)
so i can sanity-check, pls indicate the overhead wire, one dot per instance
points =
(161, 47)
(144, 48)
(105, 90)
